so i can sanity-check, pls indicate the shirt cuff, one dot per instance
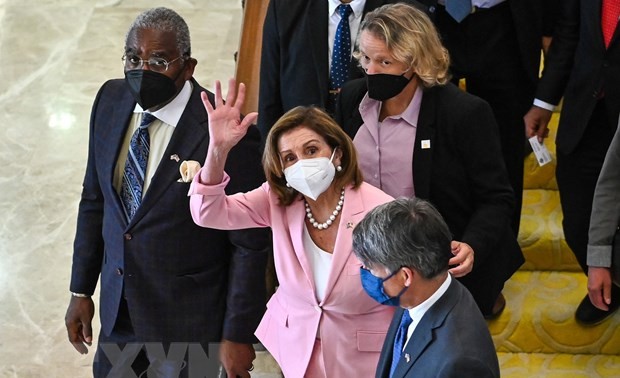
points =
(80, 295)
(544, 105)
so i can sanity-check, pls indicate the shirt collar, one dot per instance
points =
(357, 6)
(418, 311)
(411, 113)
(172, 112)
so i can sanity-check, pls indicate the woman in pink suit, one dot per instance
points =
(320, 322)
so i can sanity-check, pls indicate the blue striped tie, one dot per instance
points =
(341, 52)
(458, 9)
(399, 340)
(135, 167)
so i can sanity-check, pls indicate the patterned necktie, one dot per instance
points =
(135, 167)
(609, 19)
(399, 340)
(341, 53)
(458, 9)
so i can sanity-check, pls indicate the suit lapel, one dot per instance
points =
(425, 135)
(351, 214)
(118, 123)
(296, 215)
(423, 334)
(385, 359)
(595, 14)
(189, 133)
(316, 30)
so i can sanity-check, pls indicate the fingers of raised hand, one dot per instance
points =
(248, 120)
(206, 102)
(219, 101)
(232, 92)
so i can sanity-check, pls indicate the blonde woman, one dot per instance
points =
(418, 135)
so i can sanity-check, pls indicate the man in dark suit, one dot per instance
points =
(438, 331)
(496, 48)
(583, 65)
(167, 286)
(296, 51)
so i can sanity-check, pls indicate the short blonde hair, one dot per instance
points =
(412, 39)
(321, 123)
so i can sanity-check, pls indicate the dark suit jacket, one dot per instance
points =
(579, 67)
(527, 16)
(294, 59)
(451, 340)
(182, 282)
(462, 174)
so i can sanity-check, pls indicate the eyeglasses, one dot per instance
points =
(133, 62)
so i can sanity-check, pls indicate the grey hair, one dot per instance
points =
(165, 20)
(405, 232)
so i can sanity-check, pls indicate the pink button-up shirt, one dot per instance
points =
(385, 148)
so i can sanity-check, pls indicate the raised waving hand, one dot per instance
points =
(226, 128)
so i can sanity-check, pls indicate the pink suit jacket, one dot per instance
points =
(351, 325)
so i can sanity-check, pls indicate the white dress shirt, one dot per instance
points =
(418, 311)
(357, 6)
(160, 133)
(320, 263)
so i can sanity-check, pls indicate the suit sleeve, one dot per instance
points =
(605, 208)
(250, 248)
(559, 60)
(466, 367)
(88, 243)
(490, 190)
(270, 106)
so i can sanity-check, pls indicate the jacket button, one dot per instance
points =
(127, 236)
(119, 271)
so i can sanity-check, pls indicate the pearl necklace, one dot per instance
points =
(332, 218)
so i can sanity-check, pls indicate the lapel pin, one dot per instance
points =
(175, 157)
(407, 357)
(349, 224)
(426, 144)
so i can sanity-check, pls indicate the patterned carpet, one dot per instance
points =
(537, 335)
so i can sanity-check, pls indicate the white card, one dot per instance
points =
(540, 150)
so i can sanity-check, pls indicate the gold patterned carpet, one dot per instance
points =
(537, 335)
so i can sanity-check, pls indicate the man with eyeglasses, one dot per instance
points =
(172, 294)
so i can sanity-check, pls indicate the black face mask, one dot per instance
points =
(382, 87)
(150, 88)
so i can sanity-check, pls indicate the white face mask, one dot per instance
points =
(311, 177)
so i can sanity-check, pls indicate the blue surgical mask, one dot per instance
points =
(373, 286)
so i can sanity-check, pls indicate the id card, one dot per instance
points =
(540, 150)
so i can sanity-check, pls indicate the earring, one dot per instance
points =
(339, 168)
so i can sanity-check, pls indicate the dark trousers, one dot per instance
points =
(484, 51)
(122, 355)
(577, 173)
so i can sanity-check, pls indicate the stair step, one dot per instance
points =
(519, 365)
(540, 235)
(539, 317)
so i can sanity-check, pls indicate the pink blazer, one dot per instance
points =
(351, 325)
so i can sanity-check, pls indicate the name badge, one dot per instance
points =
(540, 150)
